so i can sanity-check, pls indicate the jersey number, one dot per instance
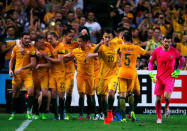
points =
(110, 58)
(127, 59)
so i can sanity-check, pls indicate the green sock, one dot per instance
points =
(100, 104)
(61, 106)
(81, 105)
(68, 103)
(131, 102)
(110, 102)
(104, 106)
(14, 104)
(54, 105)
(122, 106)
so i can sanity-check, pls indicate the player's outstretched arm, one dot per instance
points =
(150, 66)
(46, 65)
(91, 55)
(176, 73)
(98, 46)
(11, 64)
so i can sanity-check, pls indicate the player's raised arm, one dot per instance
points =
(98, 46)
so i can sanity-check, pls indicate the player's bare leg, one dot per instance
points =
(15, 94)
(110, 104)
(158, 109)
(81, 105)
(123, 106)
(61, 104)
(167, 97)
(30, 92)
(54, 103)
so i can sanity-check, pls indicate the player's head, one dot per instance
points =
(25, 38)
(127, 36)
(68, 35)
(166, 42)
(107, 35)
(39, 41)
(52, 38)
(82, 40)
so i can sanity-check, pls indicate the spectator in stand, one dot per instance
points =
(49, 15)
(93, 27)
(135, 36)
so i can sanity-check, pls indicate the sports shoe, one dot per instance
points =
(133, 117)
(80, 118)
(88, 117)
(159, 121)
(56, 118)
(118, 115)
(102, 116)
(124, 120)
(106, 120)
(66, 116)
(96, 117)
(36, 117)
(167, 113)
(43, 116)
(28, 116)
(110, 115)
(12, 117)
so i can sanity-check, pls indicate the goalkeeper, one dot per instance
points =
(166, 57)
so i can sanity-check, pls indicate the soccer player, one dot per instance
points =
(40, 75)
(85, 73)
(22, 73)
(57, 74)
(108, 65)
(165, 56)
(69, 45)
(127, 73)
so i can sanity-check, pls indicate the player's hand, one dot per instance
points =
(154, 79)
(38, 54)
(18, 71)
(152, 76)
(37, 66)
(176, 73)
(11, 73)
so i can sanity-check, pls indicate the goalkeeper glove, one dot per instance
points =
(152, 76)
(176, 73)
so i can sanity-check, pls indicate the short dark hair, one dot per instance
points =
(108, 31)
(167, 37)
(11, 27)
(53, 34)
(85, 38)
(127, 36)
(25, 33)
(38, 37)
(66, 32)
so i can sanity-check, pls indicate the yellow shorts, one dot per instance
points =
(113, 84)
(69, 80)
(23, 77)
(41, 81)
(57, 82)
(85, 85)
(136, 84)
(103, 86)
(96, 83)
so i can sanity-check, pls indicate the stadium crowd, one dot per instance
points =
(62, 21)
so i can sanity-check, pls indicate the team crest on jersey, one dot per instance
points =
(49, 54)
(33, 53)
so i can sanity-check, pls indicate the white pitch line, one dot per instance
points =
(24, 125)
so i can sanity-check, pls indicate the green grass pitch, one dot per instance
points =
(145, 123)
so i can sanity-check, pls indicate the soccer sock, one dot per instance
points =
(13, 105)
(61, 104)
(35, 106)
(89, 103)
(81, 105)
(136, 100)
(30, 102)
(167, 104)
(43, 104)
(93, 104)
(54, 103)
(104, 106)
(122, 106)
(100, 104)
(68, 103)
(158, 110)
(110, 102)
(131, 102)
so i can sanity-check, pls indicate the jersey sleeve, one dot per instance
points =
(177, 54)
(14, 52)
(141, 51)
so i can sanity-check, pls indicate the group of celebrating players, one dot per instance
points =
(105, 68)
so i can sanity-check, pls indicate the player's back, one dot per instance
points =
(130, 53)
